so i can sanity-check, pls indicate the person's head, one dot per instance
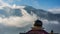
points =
(38, 23)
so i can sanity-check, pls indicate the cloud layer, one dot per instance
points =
(18, 21)
(55, 10)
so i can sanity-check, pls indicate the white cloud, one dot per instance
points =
(2, 3)
(55, 10)
(14, 6)
(18, 21)
(45, 21)
(54, 22)
(24, 20)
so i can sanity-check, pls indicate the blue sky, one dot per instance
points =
(41, 4)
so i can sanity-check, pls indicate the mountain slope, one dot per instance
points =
(43, 14)
(39, 12)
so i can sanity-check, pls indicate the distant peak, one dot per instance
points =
(15, 6)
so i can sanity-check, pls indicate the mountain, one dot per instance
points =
(42, 13)
(8, 11)
(16, 11)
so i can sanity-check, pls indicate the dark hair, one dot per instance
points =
(38, 23)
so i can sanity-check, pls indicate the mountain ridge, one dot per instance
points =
(39, 12)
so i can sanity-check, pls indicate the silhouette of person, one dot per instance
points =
(52, 32)
(37, 29)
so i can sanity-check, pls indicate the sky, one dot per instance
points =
(40, 4)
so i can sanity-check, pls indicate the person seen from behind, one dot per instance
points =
(37, 29)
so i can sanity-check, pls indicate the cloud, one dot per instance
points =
(18, 21)
(54, 22)
(2, 4)
(49, 25)
(45, 21)
(15, 24)
(55, 10)
(22, 21)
